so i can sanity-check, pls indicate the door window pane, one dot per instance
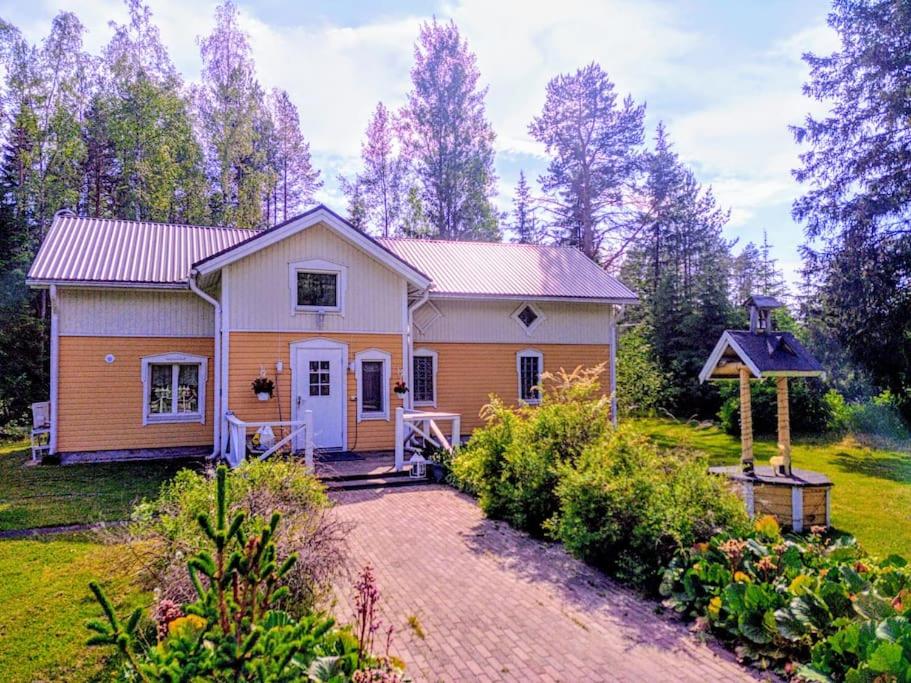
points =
(317, 289)
(372, 386)
(319, 378)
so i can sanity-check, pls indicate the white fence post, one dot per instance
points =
(308, 438)
(399, 438)
(456, 432)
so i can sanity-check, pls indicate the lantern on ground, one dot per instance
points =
(418, 466)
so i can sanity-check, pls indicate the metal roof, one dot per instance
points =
(136, 253)
(766, 354)
(500, 269)
(100, 250)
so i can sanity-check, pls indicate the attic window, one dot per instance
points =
(528, 317)
(317, 287)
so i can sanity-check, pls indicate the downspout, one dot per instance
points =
(217, 340)
(615, 319)
(409, 363)
(55, 367)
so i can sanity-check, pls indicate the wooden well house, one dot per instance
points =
(797, 498)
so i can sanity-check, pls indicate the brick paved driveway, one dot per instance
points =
(496, 605)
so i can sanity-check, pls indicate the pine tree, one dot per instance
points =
(525, 222)
(594, 144)
(448, 137)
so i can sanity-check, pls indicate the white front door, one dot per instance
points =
(319, 375)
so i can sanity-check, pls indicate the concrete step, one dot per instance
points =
(350, 476)
(373, 482)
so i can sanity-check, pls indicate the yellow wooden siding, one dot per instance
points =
(260, 295)
(468, 373)
(100, 404)
(248, 351)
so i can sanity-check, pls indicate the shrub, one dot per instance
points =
(511, 463)
(626, 507)
(232, 630)
(169, 532)
(879, 416)
(777, 597)
(642, 386)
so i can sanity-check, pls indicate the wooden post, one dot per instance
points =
(746, 421)
(783, 462)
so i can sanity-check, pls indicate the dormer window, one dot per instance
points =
(317, 286)
(528, 317)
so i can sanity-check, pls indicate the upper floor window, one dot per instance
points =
(529, 366)
(528, 316)
(317, 286)
(174, 388)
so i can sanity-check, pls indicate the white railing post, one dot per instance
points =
(308, 438)
(456, 431)
(399, 438)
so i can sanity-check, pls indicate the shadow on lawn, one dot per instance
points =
(891, 468)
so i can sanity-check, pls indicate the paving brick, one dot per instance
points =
(498, 605)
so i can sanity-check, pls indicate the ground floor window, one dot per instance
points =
(174, 388)
(424, 371)
(529, 366)
(373, 371)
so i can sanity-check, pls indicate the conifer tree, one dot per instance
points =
(525, 220)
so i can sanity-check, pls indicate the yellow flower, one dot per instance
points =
(714, 607)
(740, 577)
(187, 625)
(768, 527)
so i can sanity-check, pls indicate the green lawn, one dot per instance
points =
(51, 495)
(46, 601)
(872, 494)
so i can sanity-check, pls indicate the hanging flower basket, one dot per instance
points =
(263, 387)
(400, 388)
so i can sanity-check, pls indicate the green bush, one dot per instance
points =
(879, 416)
(626, 507)
(642, 386)
(511, 464)
(780, 598)
(168, 531)
(232, 629)
(810, 409)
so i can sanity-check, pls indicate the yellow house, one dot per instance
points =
(158, 330)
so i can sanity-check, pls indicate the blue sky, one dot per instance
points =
(725, 77)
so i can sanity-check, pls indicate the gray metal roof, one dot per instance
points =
(100, 251)
(763, 301)
(500, 269)
(767, 354)
(137, 253)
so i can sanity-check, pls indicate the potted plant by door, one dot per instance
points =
(400, 388)
(263, 387)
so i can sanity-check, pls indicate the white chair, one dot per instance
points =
(41, 429)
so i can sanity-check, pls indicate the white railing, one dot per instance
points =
(299, 429)
(423, 424)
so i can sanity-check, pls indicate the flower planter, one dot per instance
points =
(263, 395)
(436, 472)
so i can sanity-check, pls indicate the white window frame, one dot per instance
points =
(528, 353)
(374, 355)
(323, 267)
(434, 365)
(174, 359)
(529, 329)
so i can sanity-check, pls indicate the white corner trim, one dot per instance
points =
(528, 353)
(175, 358)
(435, 364)
(386, 359)
(324, 267)
(529, 329)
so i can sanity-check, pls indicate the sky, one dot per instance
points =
(725, 77)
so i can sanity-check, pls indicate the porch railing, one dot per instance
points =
(412, 426)
(237, 435)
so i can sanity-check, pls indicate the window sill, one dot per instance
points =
(319, 309)
(530, 401)
(426, 404)
(374, 417)
(173, 419)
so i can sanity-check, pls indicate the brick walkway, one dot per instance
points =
(496, 605)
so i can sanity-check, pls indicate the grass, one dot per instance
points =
(51, 495)
(46, 602)
(871, 498)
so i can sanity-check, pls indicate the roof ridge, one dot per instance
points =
(172, 225)
(434, 240)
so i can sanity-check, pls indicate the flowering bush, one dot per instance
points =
(784, 600)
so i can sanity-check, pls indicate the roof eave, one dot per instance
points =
(43, 283)
(470, 296)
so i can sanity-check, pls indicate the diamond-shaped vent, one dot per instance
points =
(527, 316)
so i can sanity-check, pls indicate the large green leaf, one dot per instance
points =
(872, 606)
(887, 658)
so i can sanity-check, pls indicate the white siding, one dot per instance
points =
(260, 297)
(492, 322)
(133, 313)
